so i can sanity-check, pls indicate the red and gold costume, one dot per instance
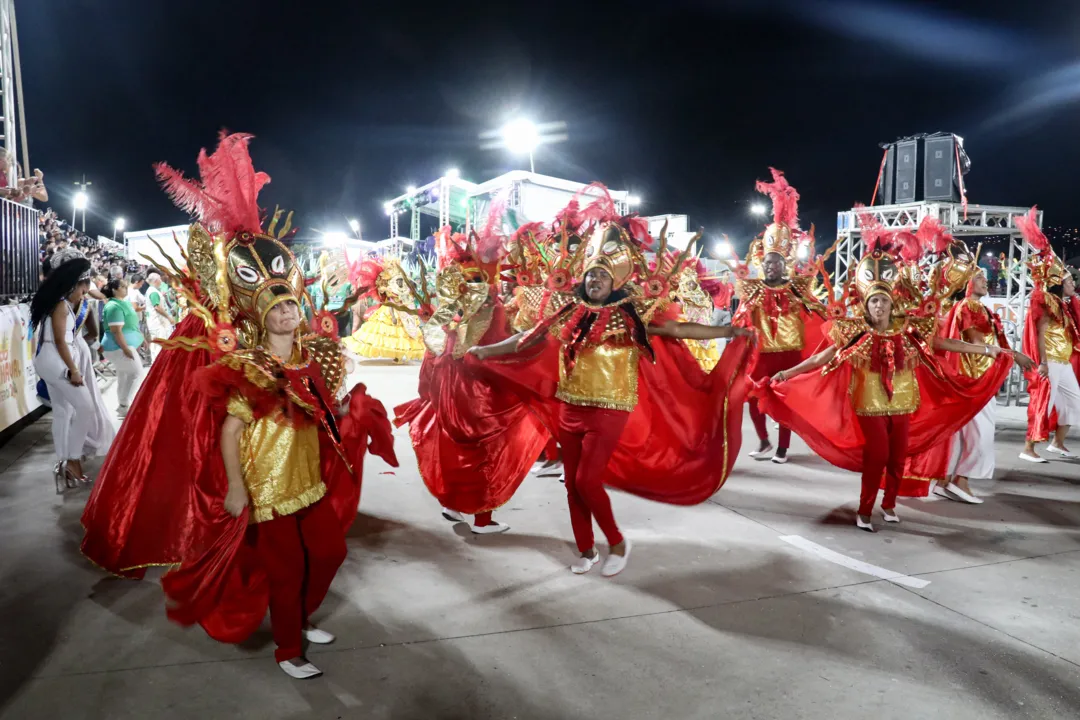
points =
(1062, 340)
(787, 318)
(160, 497)
(629, 410)
(953, 268)
(474, 442)
(885, 395)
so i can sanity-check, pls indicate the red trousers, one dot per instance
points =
(588, 437)
(884, 453)
(301, 553)
(768, 364)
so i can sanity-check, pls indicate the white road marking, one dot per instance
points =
(850, 562)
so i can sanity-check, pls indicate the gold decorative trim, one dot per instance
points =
(591, 402)
(305, 499)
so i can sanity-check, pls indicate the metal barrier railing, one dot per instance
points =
(20, 250)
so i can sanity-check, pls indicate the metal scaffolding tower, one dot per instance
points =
(973, 222)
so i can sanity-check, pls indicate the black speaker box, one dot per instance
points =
(907, 165)
(940, 180)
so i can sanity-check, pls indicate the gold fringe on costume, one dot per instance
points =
(386, 334)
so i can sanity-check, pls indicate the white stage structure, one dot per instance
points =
(977, 221)
(138, 243)
(529, 197)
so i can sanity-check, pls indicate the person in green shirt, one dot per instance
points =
(121, 342)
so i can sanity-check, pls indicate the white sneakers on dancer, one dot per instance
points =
(614, 564)
(491, 528)
(302, 671)
(762, 453)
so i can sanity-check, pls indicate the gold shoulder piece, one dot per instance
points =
(328, 354)
(844, 329)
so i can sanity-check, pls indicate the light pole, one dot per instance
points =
(758, 209)
(521, 138)
(81, 201)
(118, 226)
(82, 192)
(355, 225)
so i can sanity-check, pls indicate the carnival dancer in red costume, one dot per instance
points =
(1052, 339)
(474, 442)
(881, 395)
(249, 492)
(629, 404)
(780, 307)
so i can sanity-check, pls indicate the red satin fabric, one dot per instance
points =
(151, 476)
(682, 438)
(1042, 418)
(159, 499)
(474, 442)
(820, 410)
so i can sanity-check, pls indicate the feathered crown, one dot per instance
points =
(1046, 267)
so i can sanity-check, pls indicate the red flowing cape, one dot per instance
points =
(682, 438)
(1041, 417)
(819, 409)
(159, 499)
(474, 441)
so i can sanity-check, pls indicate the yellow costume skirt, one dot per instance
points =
(388, 334)
(705, 352)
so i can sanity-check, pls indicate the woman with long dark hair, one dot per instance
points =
(63, 361)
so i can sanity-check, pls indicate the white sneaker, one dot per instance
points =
(584, 564)
(317, 636)
(780, 459)
(1032, 458)
(955, 492)
(453, 515)
(122, 411)
(300, 672)
(762, 454)
(1063, 453)
(550, 471)
(890, 515)
(562, 476)
(942, 492)
(862, 524)
(615, 564)
(490, 529)
(536, 468)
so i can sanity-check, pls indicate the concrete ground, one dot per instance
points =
(752, 605)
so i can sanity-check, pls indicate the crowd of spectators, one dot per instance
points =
(106, 259)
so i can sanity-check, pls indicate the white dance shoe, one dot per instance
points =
(317, 636)
(453, 515)
(955, 492)
(1059, 451)
(890, 515)
(300, 672)
(491, 528)
(615, 564)
(863, 524)
(763, 454)
(584, 564)
(1032, 458)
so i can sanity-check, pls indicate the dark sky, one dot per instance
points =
(685, 103)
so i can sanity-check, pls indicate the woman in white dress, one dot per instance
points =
(81, 425)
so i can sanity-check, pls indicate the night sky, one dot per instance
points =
(684, 103)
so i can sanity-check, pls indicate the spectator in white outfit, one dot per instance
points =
(159, 318)
(61, 360)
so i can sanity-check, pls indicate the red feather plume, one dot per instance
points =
(785, 198)
(933, 236)
(225, 198)
(875, 236)
(1029, 228)
(907, 246)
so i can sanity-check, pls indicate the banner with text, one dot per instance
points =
(18, 381)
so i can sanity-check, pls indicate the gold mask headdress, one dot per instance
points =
(241, 270)
(611, 248)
